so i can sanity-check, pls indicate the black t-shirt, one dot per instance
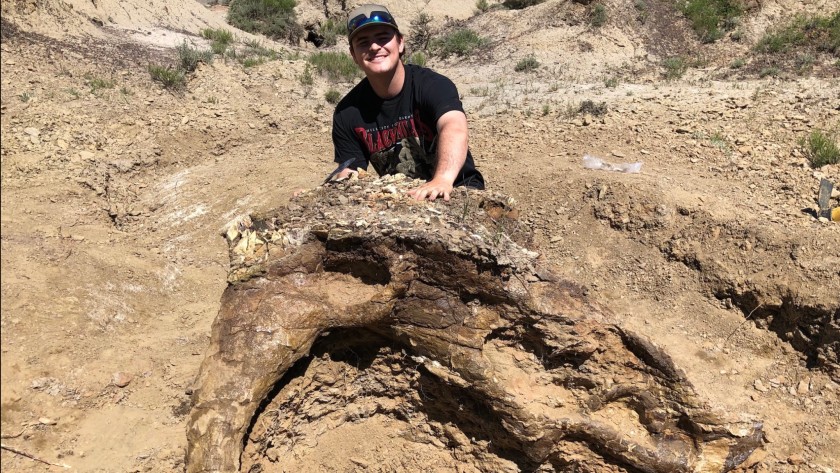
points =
(399, 134)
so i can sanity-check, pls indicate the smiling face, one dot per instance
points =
(377, 49)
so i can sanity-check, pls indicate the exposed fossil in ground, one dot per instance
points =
(456, 288)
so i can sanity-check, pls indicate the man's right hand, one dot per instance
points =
(345, 174)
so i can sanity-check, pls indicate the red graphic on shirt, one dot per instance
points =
(377, 140)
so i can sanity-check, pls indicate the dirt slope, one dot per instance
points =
(113, 200)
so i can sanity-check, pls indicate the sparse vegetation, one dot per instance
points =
(527, 64)
(771, 71)
(24, 97)
(168, 77)
(598, 15)
(821, 148)
(332, 96)
(220, 39)
(520, 4)
(817, 32)
(336, 66)
(482, 6)
(421, 32)
(611, 82)
(592, 108)
(546, 110)
(306, 77)
(74, 93)
(189, 57)
(642, 11)
(675, 67)
(418, 58)
(97, 83)
(330, 30)
(273, 18)
(711, 18)
(738, 63)
(460, 42)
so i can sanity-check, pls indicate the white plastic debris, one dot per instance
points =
(594, 162)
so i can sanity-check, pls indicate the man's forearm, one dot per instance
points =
(452, 147)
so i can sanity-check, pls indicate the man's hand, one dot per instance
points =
(345, 174)
(432, 190)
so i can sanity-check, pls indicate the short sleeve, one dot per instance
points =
(438, 94)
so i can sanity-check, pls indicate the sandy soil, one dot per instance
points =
(113, 201)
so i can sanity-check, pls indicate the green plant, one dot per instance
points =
(591, 108)
(482, 6)
(820, 32)
(460, 42)
(337, 66)
(170, 78)
(421, 32)
(710, 18)
(675, 67)
(306, 77)
(273, 18)
(520, 4)
(527, 64)
(480, 91)
(642, 11)
(330, 30)
(418, 58)
(611, 82)
(598, 15)
(97, 83)
(24, 97)
(212, 99)
(252, 61)
(220, 35)
(821, 148)
(771, 71)
(74, 93)
(805, 62)
(546, 110)
(738, 63)
(332, 96)
(719, 141)
(189, 57)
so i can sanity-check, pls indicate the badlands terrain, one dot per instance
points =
(116, 191)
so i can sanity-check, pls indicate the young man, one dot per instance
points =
(401, 118)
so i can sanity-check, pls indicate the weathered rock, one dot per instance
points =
(455, 285)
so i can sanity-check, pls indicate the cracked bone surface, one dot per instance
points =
(456, 286)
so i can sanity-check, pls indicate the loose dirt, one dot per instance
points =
(113, 200)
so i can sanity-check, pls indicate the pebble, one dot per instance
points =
(122, 379)
(46, 421)
(759, 386)
(32, 131)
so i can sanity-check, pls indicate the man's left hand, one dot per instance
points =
(432, 190)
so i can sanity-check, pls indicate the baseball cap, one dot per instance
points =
(366, 15)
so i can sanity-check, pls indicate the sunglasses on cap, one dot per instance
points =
(380, 17)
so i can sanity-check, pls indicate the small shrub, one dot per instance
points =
(332, 96)
(189, 57)
(252, 61)
(820, 148)
(598, 16)
(331, 30)
(520, 4)
(421, 32)
(527, 64)
(97, 83)
(459, 42)
(805, 62)
(592, 108)
(482, 6)
(738, 63)
(418, 58)
(24, 97)
(219, 38)
(771, 71)
(546, 110)
(642, 11)
(273, 18)
(73, 93)
(675, 67)
(337, 66)
(611, 83)
(170, 78)
(819, 32)
(212, 99)
(306, 77)
(710, 18)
